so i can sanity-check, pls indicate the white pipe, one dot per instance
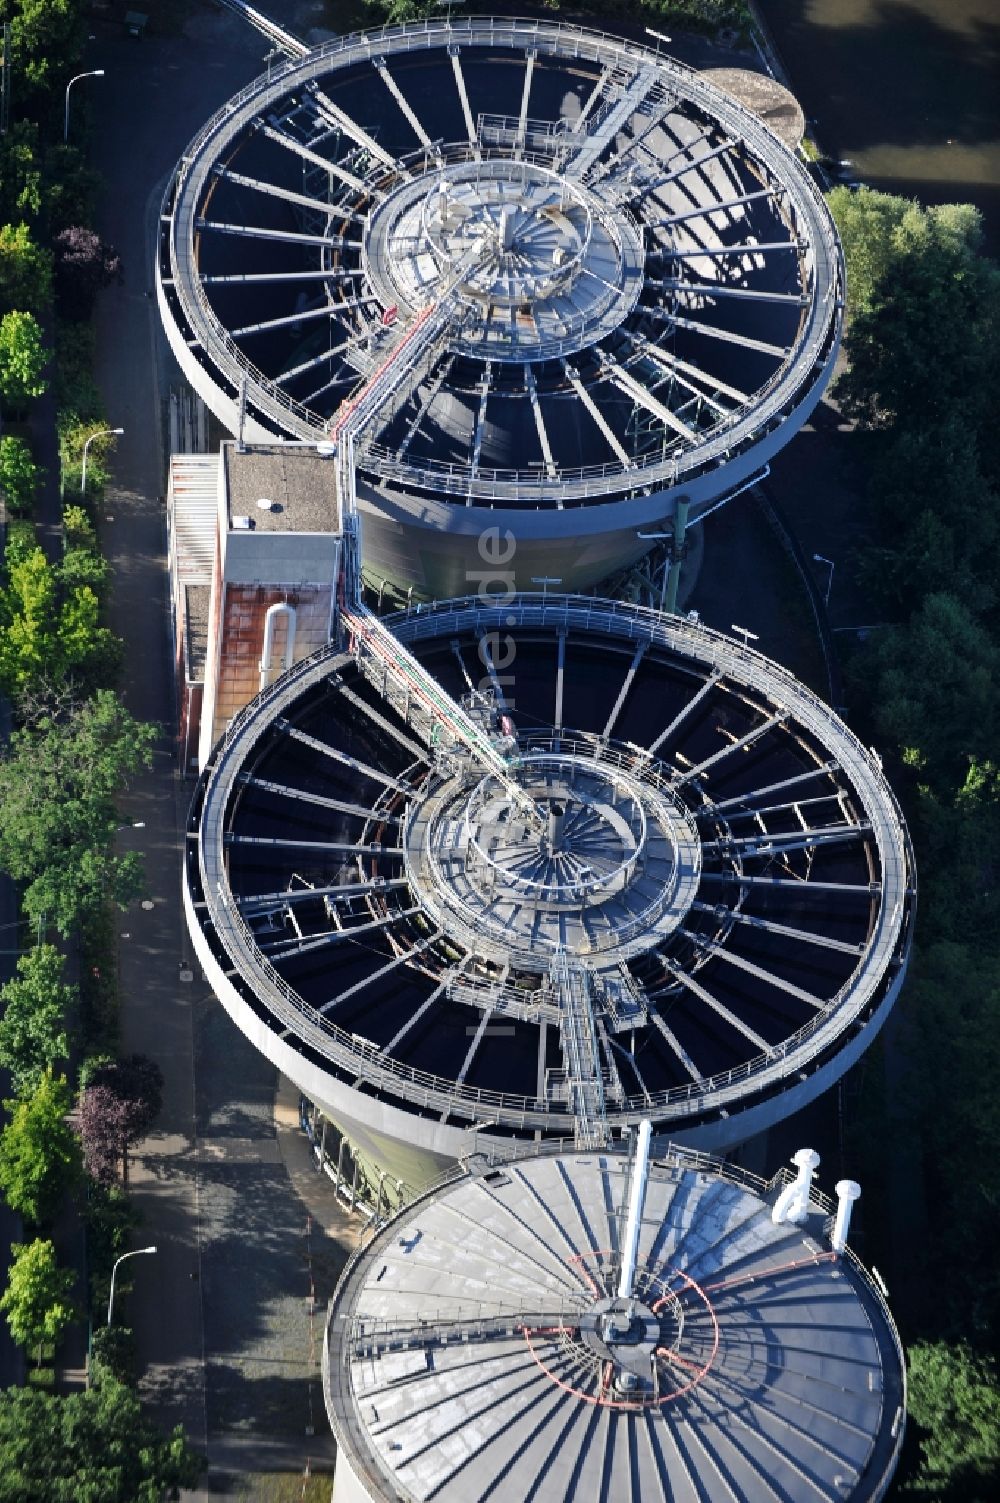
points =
(280, 608)
(848, 1191)
(637, 1200)
(793, 1202)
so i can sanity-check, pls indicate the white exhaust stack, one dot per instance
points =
(793, 1202)
(848, 1191)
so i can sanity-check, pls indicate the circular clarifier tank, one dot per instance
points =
(644, 289)
(479, 1347)
(690, 900)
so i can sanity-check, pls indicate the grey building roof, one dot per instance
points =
(298, 482)
(464, 1361)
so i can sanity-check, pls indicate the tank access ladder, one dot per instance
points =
(571, 982)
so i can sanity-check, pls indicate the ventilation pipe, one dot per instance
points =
(640, 1175)
(848, 1191)
(793, 1202)
(280, 608)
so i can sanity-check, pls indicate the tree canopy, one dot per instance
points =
(58, 819)
(50, 619)
(92, 1447)
(955, 1399)
(118, 1106)
(38, 1299)
(39, 1151)
(35, 1005)
(25, 270)
(22, 357)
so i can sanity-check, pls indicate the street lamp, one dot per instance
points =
(94, 73)
(545, 580)
(745, 632)
(136, 1252)
(103, 433)
(819, 559)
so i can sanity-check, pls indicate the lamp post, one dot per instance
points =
(103, 433)
(819, 559)
(94, 73)
(745, 632)
(545, 580)
(136, 1252)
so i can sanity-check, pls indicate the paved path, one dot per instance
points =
(228, 1313)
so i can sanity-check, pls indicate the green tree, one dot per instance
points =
(876, 228)
(954, 1396)
(38, 1299)
(46, 38)
(92, 1447)
(19, 473)
(58, 819)
(39, 1151)
(20, 171)
(35, 1003)
(25, 270)
(935, 692)
(51, 620)
(22, 357)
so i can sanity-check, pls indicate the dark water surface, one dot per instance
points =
(908, 90)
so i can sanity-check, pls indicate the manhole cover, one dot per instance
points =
(186, 976)
(148, 903)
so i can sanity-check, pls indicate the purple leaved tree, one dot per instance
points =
(117, 1108)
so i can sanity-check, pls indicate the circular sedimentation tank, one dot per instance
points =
(479, 1346)
(690, 900)
(645, 289)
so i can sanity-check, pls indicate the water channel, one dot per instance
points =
(908, 91)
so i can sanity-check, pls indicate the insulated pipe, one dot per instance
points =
(793, 1202)
(637, 1200)
(280, 608)
(848, 1191)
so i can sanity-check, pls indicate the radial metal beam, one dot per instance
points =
(675, 1044)
(477, 439)
(801, 885)
(780, 352)
(721, 208)
(315, 360)
(349, 378)
(787, 931)
(766, 844)
(484, 1023)
(746, 249)
(352, 848)
(573, 377)
(357, 132)
(740, 963)
(325, 750)
(329, 310)
(290, 237)
(322, 275)
(668, 358)
(369, 713)
(320, 800)
(663, 182)
(332, 936)
(819, 770)
(382, 68)
(683, 713)
(557, 718)
(377, 975)
(628, 384)
(425, 404)
(424, 1007)
(260, 902)
(290, 144)
(715, 289)
(522, 119)
(616, 708)
(725, 751)
(704, 995)
(302, 200)
(591, 100)
(470, 129)
(536, 410)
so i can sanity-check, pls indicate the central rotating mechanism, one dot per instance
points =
(541, 263)
(609, 862)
